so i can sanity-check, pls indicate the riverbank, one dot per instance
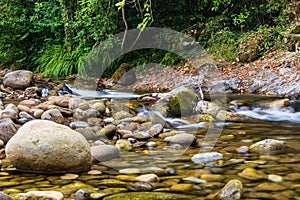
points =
(277, 73)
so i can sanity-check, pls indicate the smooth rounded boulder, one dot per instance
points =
(45, 146)
(19, 79)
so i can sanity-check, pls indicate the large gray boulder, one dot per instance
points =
(19, 79)
(45, 146)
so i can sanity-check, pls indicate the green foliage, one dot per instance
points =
(58, 61)
(54, 36)
(224, 44)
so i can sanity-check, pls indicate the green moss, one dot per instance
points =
(149, 196)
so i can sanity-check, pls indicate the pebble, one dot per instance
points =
(182, 187)
(69, 176)
(147, 178)
(275, 178)
(242, 149)
(252, 174)
(267, 186)
(94, 172)
(1, 143)
(206, 157)
(51, 195)
(124, 145)
(212, 177)
(130, 171)
(82, 195)
(151, 144)
(232, 190)
(194, 180)
(79, 124)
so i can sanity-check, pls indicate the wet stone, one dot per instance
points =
(206, 157)
(212, 177)
(141, 186)
(50, 195)
(194, 180)
(267, 145)
(147, 178)
(275, 178)
(124, 145)
(252, 174)
(82, 195)
(182, 187)
(182, 139)
(130, 171)
(4, 196)
(232, 190)
(79, 124)
(267, 186)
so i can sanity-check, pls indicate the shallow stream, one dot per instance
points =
(178, 175)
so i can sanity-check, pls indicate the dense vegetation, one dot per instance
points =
(54, 36)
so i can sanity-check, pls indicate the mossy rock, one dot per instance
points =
(179, 102)
(150, 196)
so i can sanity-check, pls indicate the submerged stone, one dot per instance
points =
(267, 145)
(232, 190)
(206, 157)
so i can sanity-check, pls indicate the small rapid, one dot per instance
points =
(272, 113)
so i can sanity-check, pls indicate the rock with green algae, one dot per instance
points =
(252, 174)
(179, 102)
(150, 196)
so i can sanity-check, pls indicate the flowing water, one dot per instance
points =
(174, 167)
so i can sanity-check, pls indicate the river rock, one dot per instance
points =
(75, 103)
(206, 157)
(45, 146)
(121, 115)
(232, 190)
(275, 178)
(25, 115)
(155, 130)
(207, 107)
(79, 124)
(267, 186)
(53, 115)
(43, 195)
(252, 174)
(124, 145)
(107, 131)
(7, 129)
(147, 178)
(179, 102)
(4, 196)
(103, 153)
(9, 113)
(267, 145)
(99, 106)
(87, 132)
(37, 113)
(62, 101)
(182, 138)
(19, 79)
(82, 195)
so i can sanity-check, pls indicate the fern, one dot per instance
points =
(57, 61)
